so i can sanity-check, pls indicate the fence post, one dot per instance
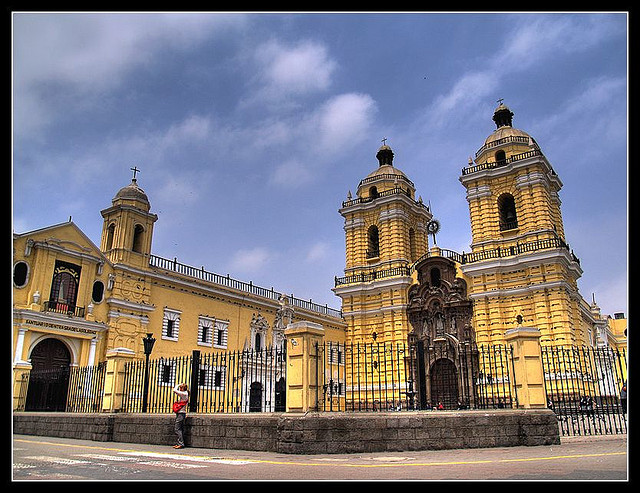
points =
(303, 365)
(527, 364)
(114, 378)
(193, 387)
(21, 371)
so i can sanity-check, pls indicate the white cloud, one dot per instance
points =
(529, 42)
(344, 120)
(250, 260)
(469, 90)
(534, 38)
(299, 69)
(88, 54)
(291, 173)
(317, 252)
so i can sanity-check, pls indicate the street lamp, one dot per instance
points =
(148, 342)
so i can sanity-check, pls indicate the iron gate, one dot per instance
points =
(47, 390)
(586, 388)
(413, 376)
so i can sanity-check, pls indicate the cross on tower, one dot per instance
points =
(384, 141)
(500, 101)
(135, 170)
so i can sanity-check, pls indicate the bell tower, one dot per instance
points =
(127, 230)
(521, 270)
(385, 232)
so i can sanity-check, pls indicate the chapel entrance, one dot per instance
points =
(444, 384)
(49, 376)
(255, 397)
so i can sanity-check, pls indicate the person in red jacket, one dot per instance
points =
(182, 391)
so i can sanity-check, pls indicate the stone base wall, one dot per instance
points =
(309, 433)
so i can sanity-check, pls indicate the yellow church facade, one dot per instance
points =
(76, 303)
(520, 270)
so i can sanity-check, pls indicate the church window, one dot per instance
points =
(167, 373)
(373, 242)
(110, 232)
(501, 157)
(258, 329)
(205, 331)
(221, 334)
(373, 193)
(507, 211)
(98, 291)
(171, 324)
(137, 238)
(434, 274)
(64, 286)
(211, 377)
(258, 342)
(20, 271)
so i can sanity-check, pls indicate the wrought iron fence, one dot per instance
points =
(86, 388)
(70, 389)
(586, 388)
(409, 376)
(223, 382)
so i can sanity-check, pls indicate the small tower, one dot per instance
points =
(520, 266)
(385, 232)
(127, 230)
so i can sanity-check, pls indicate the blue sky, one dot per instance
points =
(250, 128)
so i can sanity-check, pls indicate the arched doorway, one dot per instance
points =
(281, 395)
(444, 383)
(49, 376)
(255, 397)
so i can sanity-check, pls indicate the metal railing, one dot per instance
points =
(64, 308)
(247, 287)
(498, 164)
(86, 388)
(372, 275)
(224, 382)
(586, 388)
(409, 376)
(512, 138)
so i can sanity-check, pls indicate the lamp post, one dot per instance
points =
(148, 342)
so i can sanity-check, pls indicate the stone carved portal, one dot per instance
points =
(440, 314)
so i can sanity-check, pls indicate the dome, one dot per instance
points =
(503, 117)
(385, 168)
(386, 172)
(132, 192)
(504, 132)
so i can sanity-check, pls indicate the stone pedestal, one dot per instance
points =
(304, 344)
(527, 362)
(114, 378)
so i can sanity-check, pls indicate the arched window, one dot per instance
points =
(137, 238)
(373, 193)
(373, 242)
(110, 231)
(507, 212)
(64, 287)
(434, 274)
(258, 342)
(501, 157)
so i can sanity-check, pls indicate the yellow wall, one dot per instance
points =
(135, 298)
